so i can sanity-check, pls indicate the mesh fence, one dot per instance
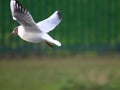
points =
(87, 25)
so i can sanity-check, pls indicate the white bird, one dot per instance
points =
(31, 31)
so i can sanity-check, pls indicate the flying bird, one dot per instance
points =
(31, 31)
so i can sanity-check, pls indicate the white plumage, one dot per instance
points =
(31, 31)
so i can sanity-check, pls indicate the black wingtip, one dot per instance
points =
(59, 14)
(19, 7)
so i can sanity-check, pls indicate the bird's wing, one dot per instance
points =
(50, 23)
(20, 14)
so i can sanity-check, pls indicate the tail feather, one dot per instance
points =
(49, 39)
(56, 43)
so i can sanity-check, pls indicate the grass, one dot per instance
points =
(73, 73)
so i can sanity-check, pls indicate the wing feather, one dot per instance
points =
(50, 23)
(20, 14)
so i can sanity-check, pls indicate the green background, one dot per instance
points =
(87, 25)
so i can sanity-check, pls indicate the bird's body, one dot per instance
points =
(26, 34)
(35, 37)
(31, 31)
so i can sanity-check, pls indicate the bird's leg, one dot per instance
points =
(49, 44)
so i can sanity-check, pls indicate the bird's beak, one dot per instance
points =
(11, 34)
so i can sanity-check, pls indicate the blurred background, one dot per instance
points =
(88, 28)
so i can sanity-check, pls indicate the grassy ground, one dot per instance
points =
(73, 73)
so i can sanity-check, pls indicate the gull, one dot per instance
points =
(31, 31)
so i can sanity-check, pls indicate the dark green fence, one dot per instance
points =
(87, 25)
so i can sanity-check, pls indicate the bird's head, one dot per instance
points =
(15, 31)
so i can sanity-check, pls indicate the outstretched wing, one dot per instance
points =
(20, 14)
(50, 23)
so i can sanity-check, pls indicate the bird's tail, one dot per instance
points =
(49, 39)
(56, 43)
